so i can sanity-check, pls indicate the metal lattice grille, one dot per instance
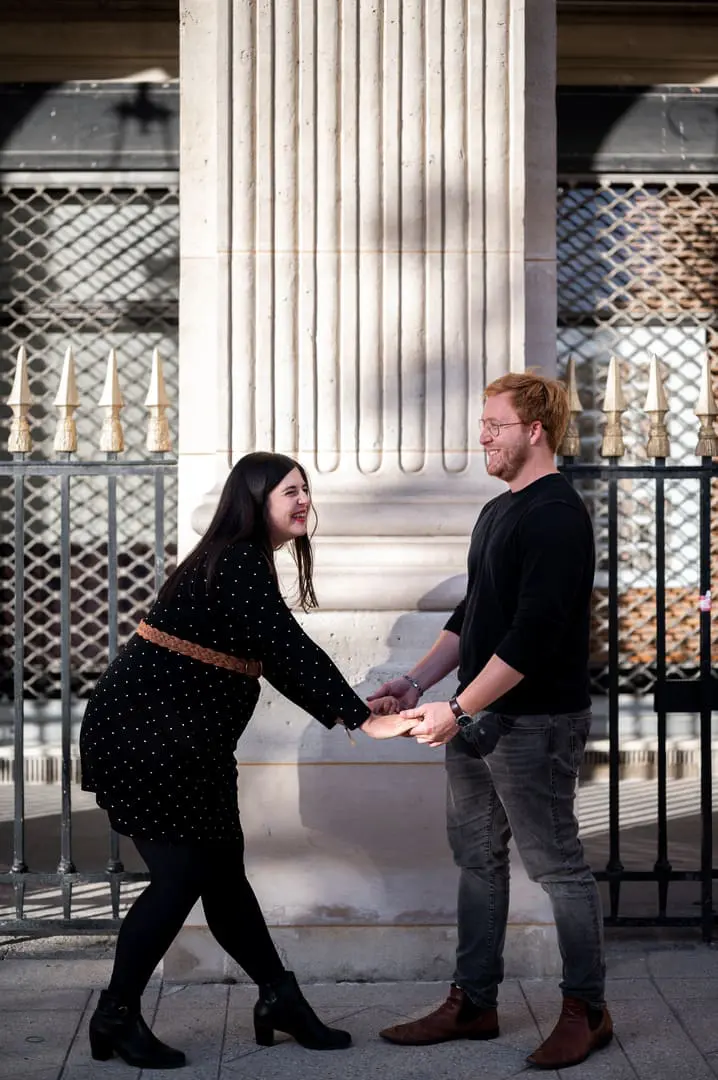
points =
(638, 274)
(93, 263)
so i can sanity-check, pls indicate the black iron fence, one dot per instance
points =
(673, 649)
(696, 693)
(90, 578)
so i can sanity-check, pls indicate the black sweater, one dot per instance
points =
(531, 567)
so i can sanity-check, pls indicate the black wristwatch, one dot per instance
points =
(462, 718)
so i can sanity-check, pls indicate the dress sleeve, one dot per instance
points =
(296, 666)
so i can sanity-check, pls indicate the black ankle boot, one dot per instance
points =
(116, 1028)
(282, 1007)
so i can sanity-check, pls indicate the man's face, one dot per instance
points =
(506, 452)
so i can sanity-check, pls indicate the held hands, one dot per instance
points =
(435, 727)
(400, 688)
(387, 727)
(437, 724)
(385, 704)
(432, 724)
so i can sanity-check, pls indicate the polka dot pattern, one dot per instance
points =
(160, 730)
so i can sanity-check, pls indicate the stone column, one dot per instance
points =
(368, 200)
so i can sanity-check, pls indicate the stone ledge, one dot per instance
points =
(363, 954)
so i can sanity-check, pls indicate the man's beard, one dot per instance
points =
(511, 463)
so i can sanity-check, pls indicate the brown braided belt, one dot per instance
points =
(253, 668)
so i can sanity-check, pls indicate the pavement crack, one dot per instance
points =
(75, 1033)
(223, 1039)
(677, 1017)
(621, 1047)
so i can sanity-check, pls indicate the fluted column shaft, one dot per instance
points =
(383, 176)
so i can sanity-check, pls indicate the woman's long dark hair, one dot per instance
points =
(241, 514)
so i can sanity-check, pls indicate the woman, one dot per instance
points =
(157, 747)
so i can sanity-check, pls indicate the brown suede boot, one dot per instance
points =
(578, 1032)
(457, 1018)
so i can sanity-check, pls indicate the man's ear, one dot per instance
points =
(536, 432)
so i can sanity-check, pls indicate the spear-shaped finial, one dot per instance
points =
(158, 432)
(20, 440)
(656, 407)
(571, 444)
(66, 401)
(613, 406)
(111, 438)
(706, 411)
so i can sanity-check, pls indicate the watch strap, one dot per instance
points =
(456, 708)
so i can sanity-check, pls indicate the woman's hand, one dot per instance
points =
(387, 727)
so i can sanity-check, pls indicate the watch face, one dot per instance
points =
(464, 719)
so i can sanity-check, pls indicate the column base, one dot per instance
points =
(363, 954)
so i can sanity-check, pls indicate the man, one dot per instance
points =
(516, 730)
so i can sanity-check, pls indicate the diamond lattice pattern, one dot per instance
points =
(94, 266)
(638, 274)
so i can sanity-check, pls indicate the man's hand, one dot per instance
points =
(386, 727)
(384, 705)
(437, 724)
(406, 695)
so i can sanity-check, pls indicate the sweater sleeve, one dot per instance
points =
(456, 620)
(294, 664)
(557, 548)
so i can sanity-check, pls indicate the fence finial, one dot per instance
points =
(158, 431)
(656, 407)
(66, 401)
(706, 411)
(614, 404)
(112, 440)
(20, 440)
(571, 444)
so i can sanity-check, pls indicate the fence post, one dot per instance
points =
(613, 447)
(19, 445)
(658, 447)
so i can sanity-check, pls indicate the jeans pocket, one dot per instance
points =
(483, 734)
(569, 734)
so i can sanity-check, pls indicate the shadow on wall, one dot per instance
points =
(358, 831)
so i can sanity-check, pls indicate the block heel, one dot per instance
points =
(263, 1033)
(283, 1007)
(118, 1028)
(101, 1047)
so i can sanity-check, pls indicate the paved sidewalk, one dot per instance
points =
(663, 996)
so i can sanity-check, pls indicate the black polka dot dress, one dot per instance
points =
(160, 730)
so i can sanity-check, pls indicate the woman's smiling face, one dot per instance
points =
(288, 509)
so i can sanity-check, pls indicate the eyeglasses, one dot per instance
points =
(494, 427)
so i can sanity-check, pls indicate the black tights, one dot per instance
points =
(181, 874)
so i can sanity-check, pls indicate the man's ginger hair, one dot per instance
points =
(534, 397)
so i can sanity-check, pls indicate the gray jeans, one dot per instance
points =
(517, 775)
